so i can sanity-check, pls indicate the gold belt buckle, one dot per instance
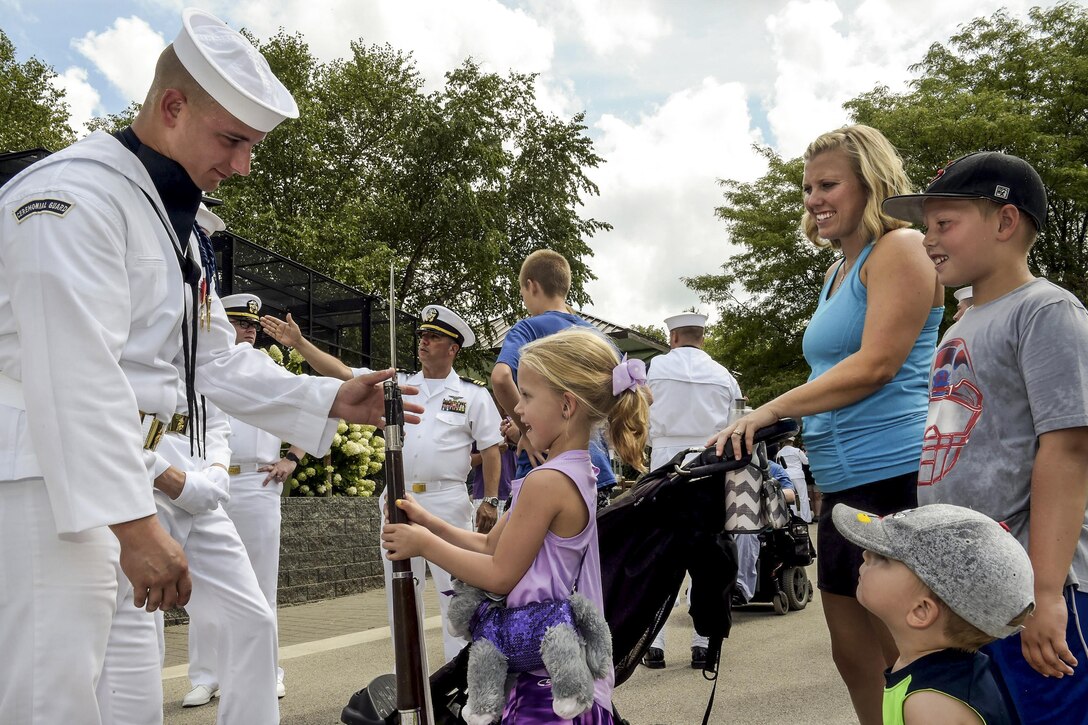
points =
(419, 488)
(234, 470)
(178, 423)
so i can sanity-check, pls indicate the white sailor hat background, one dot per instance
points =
(964, 293)
(242, 305)
(687, 319)
(232, 71)
(208, 220)
(437, 318)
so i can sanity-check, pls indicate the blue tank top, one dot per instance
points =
(879, 436)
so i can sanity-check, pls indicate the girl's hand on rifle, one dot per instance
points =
(417, 514)
(403, 541)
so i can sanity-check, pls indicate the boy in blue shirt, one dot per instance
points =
(1007, 429)
(544, 282)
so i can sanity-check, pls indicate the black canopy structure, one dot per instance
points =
(342, 320)
(11, 163)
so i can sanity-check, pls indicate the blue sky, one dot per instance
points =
(675, 91)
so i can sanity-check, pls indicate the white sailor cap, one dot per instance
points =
(964, 293)
(686, 319)
(232, 71)
(444, 321)
(244, 306)
(208, 220)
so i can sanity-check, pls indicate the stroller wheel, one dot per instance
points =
(797, 587)
(781, 603)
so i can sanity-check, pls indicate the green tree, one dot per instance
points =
(114, 121)
(767, 292)
(652, 332)
(1004, 84)
(454, 187)
(33, 111)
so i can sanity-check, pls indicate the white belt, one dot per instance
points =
(237, 469)
(11, 393)
(424, 487)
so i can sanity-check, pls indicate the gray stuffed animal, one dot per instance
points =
(574, 656)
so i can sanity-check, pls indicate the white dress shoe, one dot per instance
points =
(280, 689)
(199, 695)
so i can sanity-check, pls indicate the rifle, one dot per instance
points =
(411, 695)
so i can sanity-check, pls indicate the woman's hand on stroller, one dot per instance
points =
(744, 430)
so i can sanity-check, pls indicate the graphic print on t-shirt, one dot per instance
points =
(955, 404)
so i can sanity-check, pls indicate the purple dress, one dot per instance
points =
(552, 576)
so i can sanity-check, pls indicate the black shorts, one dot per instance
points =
(837, 560)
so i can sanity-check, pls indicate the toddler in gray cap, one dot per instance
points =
(945, 580)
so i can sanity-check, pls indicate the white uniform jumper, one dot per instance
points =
(255, 511)
(692, 398)
(91, 302)
(436, 466)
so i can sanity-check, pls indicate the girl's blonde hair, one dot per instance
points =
(878, 167)
(580, 362)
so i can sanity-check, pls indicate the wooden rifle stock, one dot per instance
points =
(410, 652)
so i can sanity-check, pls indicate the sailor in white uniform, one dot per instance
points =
(257, 473)
(437, 452)
(98, 278)
(691, 395)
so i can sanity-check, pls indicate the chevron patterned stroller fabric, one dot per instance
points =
(754, 500)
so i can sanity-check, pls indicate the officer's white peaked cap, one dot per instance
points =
(208, 220)
(243, 305)
(687, 319)
(232, 71)
(436, 318)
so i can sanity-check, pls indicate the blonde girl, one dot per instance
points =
(545, 546)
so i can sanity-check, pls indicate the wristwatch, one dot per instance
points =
(492, 501)
(290, 455)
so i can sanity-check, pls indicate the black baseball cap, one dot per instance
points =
(1001, 178)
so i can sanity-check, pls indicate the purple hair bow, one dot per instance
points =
(628, 375)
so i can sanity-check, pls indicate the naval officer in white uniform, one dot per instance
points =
(437, 452)
(691, 395)
(101, 311)
(257, 473)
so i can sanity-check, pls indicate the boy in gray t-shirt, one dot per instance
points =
(1007, 430)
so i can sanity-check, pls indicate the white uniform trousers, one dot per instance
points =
(255, 511)
(57, 596)
(225, 591)
(453, 506)
(130, 689)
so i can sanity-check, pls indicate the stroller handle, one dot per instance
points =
(708, 462)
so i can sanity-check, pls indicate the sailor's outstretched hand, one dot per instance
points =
(361, 400)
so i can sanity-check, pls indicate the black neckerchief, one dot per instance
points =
(694, 347)
(181, 199)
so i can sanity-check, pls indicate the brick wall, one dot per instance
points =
(328, 548)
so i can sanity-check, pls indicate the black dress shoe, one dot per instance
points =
(698, 657)
(654, 659)
(738, 600)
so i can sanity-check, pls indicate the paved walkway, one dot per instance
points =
(775, 669)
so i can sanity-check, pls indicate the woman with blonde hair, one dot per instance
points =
(869, 344)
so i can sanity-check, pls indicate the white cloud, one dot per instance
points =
(439, 34)
(824, 57)
(125, 54)
(659, 191)
(607, 27)
(84, 102)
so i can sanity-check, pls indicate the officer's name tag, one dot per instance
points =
(454, 405)
(56, 207)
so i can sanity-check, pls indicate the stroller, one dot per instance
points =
(678, 513)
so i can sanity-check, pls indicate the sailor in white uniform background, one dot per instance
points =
(437, 452)
(691, 394)
(257, 473)
(98, 275)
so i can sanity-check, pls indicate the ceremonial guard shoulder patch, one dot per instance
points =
(56, 207)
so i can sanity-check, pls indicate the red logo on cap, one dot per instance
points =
(1005, 526)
